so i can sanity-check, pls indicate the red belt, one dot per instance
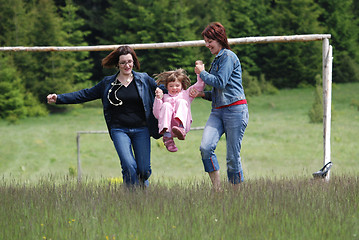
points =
(239, 102)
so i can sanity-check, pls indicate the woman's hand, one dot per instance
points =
(159, 93)
(51, 98)
(195, 93)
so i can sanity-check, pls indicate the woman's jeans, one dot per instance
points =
(232, 121)
(133, 146)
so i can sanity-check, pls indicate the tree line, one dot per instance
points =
(27, 77)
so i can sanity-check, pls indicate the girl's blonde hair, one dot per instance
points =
(171, 76)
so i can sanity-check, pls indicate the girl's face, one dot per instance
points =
(213, 45)
(125, 64)
(174, 87)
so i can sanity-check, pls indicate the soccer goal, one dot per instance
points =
(327, 63)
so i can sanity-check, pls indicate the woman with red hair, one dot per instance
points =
(229, 113)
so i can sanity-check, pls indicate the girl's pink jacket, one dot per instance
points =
(183, 112)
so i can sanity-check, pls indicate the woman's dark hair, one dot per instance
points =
(217, 32)
(112, 59)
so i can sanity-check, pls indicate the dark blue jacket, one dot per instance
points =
(146, 87)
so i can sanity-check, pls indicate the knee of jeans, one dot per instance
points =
(206, 150)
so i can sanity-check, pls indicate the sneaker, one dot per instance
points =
(179, 132)
(322, 173)
(170, 144)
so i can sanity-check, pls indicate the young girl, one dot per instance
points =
(173, 110)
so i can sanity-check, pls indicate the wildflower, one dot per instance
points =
(117, 180)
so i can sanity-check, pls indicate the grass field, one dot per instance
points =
(41, 199)
(279, 141)
(261, 209)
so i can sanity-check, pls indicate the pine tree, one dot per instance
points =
(92, 11)
(203, 13)
(245, 16)
(46, 72)
(78, 65)
(341, 21)
(142, 21)
(15, 101)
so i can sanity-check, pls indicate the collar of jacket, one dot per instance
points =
(220, 53)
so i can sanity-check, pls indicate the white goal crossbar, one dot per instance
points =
(327, 65)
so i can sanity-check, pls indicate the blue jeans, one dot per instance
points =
(133, 146)
(232, 121)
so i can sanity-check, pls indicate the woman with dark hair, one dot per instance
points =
(229, 113)
(127, 99)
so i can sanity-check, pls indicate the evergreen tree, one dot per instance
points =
(79, 65)
(203, 13)
(245, 16)
(143, 21)
(15, 101)
(92, 11)
(341, 21)
(291, 64)
(46, 72)
(40, 70)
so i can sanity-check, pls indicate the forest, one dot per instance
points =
(27, 77)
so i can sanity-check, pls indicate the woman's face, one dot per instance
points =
(125, 64)
(213, 45)
(174, 87)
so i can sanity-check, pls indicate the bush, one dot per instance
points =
(267, 87)
(316, 113)
(347, 70)
(355, 103)
(251, 85)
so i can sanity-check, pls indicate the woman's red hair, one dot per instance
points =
(216, 31)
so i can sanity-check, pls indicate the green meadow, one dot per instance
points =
(261, 209)
(279, 141)
(41, 198)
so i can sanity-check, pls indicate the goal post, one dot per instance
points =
(327, 62)
(327, 101)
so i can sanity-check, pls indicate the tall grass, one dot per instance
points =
(40, 199)
(261, 209)
(279, 141)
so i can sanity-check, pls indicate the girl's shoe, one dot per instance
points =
(163, 131)
(179, 132)
(170, 144)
